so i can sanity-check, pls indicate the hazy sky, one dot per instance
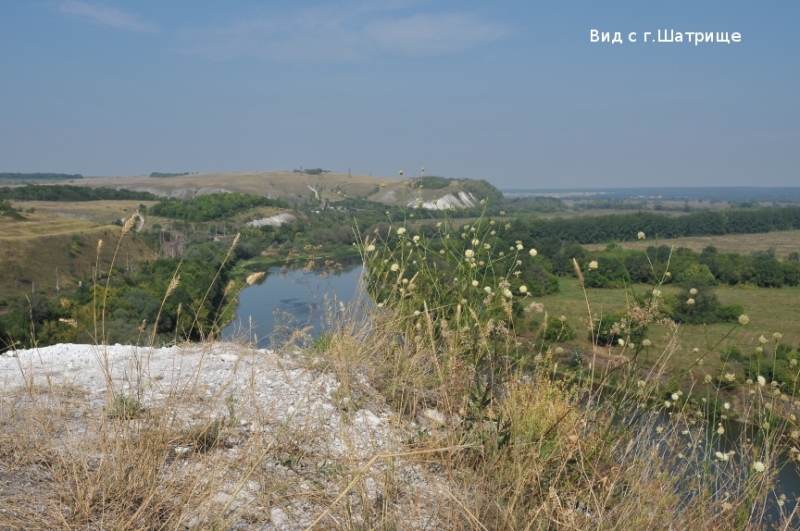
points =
(513, 92)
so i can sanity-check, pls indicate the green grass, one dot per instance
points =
(770, 310)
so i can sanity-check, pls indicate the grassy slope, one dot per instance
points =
(290, 186)
(32, 250)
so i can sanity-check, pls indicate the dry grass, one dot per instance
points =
(69, 246)
(97, 211)
(783, 243)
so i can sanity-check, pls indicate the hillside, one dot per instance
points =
(33, 249)
(298, 188)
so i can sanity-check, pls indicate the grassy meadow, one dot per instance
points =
(770, 310)
(783, 243)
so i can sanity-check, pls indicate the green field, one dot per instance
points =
(770, 310)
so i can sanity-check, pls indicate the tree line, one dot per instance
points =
(212, 206)
(66, 192)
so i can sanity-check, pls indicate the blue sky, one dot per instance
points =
(513, 92)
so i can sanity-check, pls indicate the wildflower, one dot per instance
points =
(777, 336)
(646, 343)
(792, 362)
(380, 305)
(439, 225)
(562, 318)
(401, 230)
(774, 383)
(758, 466)
(523, 289)
(416, 238)
(722, 457)
(493, 232)
(693, 291)
(559, 350)
(720, 430)
(469, 253)
(675, 396)
(759, 350)
(695, 350)
(768, 406)
(502, 212)
(519, 247)
(593, 264)
(395, 267)
(762, 339)
(766, 425)
(491, 222)
(487, 246)
(370, 248)
(656, 293)
(475, 242)
(508, 226)
(641, 383)
(726, 405)
(659, 429)
(475, 283)
(667, 403)
(640, 235)
(743, 319)
(487, 289)
(441, 251)
(417, 313)
(708, 378)
(667, 274)
(621, 342)
(690, 302)
(400, 173)
(533, 252)
(761, 380)
(730, 376)
(795, 434)
(507, 293)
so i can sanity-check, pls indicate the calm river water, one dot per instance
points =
(289, 299)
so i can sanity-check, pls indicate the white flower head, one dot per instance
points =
(523, 289)
(507, 293)
(730, 376)
(690, 302)
(761, 380)
(762, 339)
(533, 252)
(641, 235)
(401, 230)
(743, 319)
(416, 238)
(370, 248)
(777, 336)
(593, 264)
(469, 253)
(475, 283)
(621, 342)
(758, 466)
(646, 343)
(693, 291)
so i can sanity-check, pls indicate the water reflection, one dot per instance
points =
(290, 299)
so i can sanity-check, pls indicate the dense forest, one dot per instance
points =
(39, 176)
(599, 229)
(66, 192)
(213, 206)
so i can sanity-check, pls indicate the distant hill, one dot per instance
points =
(39, 176)
(325, 187)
